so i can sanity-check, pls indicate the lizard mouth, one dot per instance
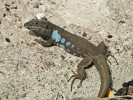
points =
(30, 27)
(33, 27)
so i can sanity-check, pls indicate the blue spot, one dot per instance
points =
(68, 50)
(72, 45)
(77, 48)
(68, 43)
(63, 40)
(74, 54)
(62, 46)
(56, 36)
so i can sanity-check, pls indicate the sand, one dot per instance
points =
(29, 71)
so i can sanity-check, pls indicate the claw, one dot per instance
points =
(73, 79)
(73, 72)
(80, 84)
(76, 77)
(108, 61)
(81, 75)
(114, 58)
(70, 78)
(73, 82)
(109, 54)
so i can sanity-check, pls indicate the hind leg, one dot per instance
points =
(81, 74)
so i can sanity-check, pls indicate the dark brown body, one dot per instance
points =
(75, 45)
(89, 49)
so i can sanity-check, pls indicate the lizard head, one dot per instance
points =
(39, 28)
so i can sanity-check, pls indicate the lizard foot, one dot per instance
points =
(77, 76)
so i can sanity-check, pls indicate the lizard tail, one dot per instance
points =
(104, 71)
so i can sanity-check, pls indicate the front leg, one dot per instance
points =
(81, 74)
(49, 43)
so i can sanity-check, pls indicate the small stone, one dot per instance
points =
(4, 15)
(40, 15)
(8, 9)
(110, 36)
(8, 40)
(122, 21)
(84, 34)
(63, 57)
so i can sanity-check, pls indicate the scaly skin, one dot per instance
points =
(102, 67)
(77, 46)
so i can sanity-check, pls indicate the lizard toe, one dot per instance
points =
(76, 76)
(80, 84)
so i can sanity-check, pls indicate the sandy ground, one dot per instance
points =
(29, 71)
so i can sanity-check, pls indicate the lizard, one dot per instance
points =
(53, 35)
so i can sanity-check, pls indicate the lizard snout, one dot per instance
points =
(25, 25)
